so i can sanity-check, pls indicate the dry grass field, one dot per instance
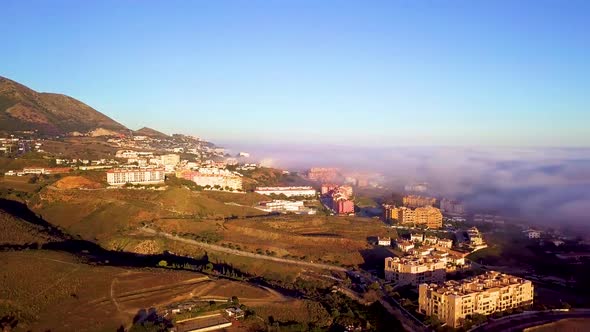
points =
(339, 240)
(101, 214)
(13, 231)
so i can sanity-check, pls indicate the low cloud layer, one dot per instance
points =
(541, 185)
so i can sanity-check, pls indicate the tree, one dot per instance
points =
(163, 263)
(433, 321)
(235, 300)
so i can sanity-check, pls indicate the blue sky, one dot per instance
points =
(500, 73)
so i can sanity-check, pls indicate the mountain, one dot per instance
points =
(145, 131)
(22, 108)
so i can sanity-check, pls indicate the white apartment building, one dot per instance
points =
(232, 181)
(485, 294)
(287, 191)
(119, 177)
(414, 270)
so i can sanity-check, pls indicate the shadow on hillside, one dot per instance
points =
(92, 253)
(20, 210)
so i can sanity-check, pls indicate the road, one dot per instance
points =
(214, 247)
(521, 322)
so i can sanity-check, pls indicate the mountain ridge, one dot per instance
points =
(24, 109)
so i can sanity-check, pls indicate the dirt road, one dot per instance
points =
(214, 247)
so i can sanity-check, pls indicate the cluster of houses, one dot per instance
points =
(38, 171)
(428, 261)
(15, 145)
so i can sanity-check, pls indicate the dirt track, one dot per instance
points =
(213, 247)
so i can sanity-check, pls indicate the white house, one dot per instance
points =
(384, 241)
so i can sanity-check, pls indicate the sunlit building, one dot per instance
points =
(428, 215)
(452, 301)
(119, 177)
(414, 270)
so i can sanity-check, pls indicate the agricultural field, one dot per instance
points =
(49, 290)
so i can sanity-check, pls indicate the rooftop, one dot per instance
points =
(488, 280)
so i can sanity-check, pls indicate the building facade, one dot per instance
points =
(414, 270)
(119, 177)
(428, 215)
(287, 191)
(485, 294)
(215, 180)
(415, 201)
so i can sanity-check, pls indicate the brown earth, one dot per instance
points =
(76, 182)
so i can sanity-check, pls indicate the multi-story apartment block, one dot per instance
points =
(214, 178)
(415, 270)
(485, 294)
(119, 177)
(343, 206)
(452, 207)
(428, 215)
(287, 191)
(415, 201)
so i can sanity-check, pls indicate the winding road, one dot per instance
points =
(218, 248)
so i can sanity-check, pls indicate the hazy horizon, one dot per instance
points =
(545, 185)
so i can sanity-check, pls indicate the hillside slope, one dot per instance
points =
(145, 131)
(19, 227)
(22, 108)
